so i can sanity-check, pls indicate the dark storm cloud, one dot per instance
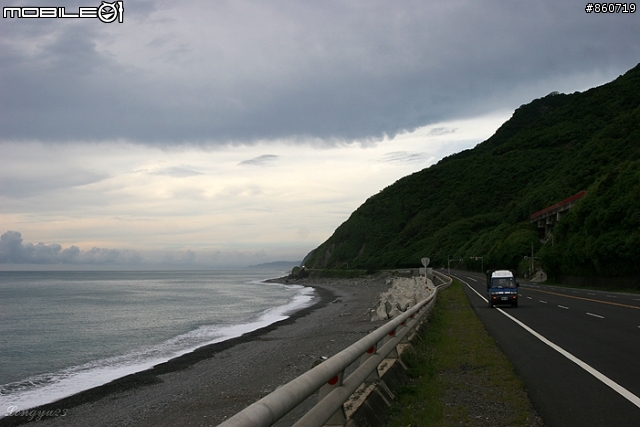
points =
(242, 71)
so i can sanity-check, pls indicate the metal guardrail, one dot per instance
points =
(328, 377)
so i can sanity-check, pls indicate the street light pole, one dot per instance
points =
(449, 262)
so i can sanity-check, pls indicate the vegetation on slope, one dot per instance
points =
(477, 203)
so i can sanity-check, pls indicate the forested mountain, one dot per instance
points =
(477, 203)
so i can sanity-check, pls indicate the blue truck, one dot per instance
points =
(502, 288)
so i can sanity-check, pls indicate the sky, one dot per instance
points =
(220, 134)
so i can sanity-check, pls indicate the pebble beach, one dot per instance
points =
(207, 386)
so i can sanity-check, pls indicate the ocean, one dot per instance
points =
(65, 332)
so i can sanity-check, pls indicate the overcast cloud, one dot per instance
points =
(242, 71)
(251, 129)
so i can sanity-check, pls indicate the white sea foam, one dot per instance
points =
(46, 388)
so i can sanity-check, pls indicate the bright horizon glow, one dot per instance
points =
(230, 206)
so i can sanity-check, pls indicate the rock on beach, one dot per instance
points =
(404, 292)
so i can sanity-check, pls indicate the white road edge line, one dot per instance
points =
(603, 378)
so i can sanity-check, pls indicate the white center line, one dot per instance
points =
(562, 306)
(595, 315)
(544, 302)
(529, 298)
(471, 278)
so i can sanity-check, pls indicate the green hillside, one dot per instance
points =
(478, 202)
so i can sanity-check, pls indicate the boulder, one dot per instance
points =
(405, 292)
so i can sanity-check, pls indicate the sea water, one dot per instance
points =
(65, 332)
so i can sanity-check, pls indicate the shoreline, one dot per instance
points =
(79, 409)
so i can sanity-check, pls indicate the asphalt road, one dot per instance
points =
(577, 351)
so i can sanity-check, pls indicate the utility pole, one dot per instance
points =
(531, 258)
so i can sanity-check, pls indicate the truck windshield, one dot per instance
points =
(506, 282)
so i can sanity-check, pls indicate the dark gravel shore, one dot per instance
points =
(207, 386)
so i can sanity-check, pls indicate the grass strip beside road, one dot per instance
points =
(458, 376)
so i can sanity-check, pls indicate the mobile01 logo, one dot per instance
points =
(106, 12)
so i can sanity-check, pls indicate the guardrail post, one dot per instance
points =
(405, 339)
(415, 325)
(339, 418)
(374, 376)
(394, 353)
